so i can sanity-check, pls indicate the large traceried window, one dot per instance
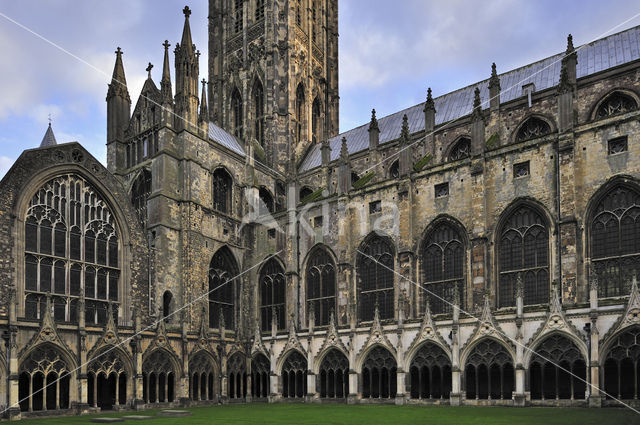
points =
(236, 113)
(222, 191)
(299, 112)
(524, 252)
(222, 289)
(71, 246)
(616, 103)
(375, 279)
(140, 193)
(615, 241)
(533, 128)
(272, 295)
(258, 104)
(461, 149)
(443, 267)
(321, 286)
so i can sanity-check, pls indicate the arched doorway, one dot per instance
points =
(622, 366)
(237, 376)
(334, 375)
(158, 377)
(557, 370)
(260, 376)
(43, 380)
(201, 377)
(107, 380)
(489, 372)
(430, 373)
(294, 376)
(379, 374)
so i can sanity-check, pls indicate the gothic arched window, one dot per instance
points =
(394, 170)
(140, 193)
(616, 103)
(237, 15)
(107, 380)
(158, 377)
(266, 201)
(272, 295)
(236, 113)
(557, 370)
(379, 374)
(305, 191)
(524, 251)
(615, 240)
(489, 371)
(299, 112)
(460, 150)
(222, 288)
(237, 376)
(622, 366)
(44, 380)
(430, 373)
(71, 245)
(375, 266)
(334, 375)
(321, 286)
(258, 104)
(532, 128)
(201, 377)
(259, 9)
(260, 372)
(443, 267)
(167, 298)
(294, 376)
(315, 120)
(222, 191)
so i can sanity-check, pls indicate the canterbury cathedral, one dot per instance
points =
(479, 248)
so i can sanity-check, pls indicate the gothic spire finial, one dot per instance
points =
(373, 124)
(477, 104)
(494, 81)
(49, 139)
(165, 82)
(118, 84)
(149, 68)
(404, 135)
(344, 151)
(429, 104)
(186, 11)
(204, 114)
(187, 41)
(570, 48)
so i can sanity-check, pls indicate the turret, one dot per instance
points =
(118, 112)
(186, 62)
(49, 139)
(494, 89)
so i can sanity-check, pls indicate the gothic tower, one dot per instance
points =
(273, 72)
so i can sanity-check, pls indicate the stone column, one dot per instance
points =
(354, 391)
(401, 386)
(595, 399)
(455, 398)
(519, 396)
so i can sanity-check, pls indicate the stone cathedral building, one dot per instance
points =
(480, 248)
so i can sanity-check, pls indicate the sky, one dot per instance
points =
(58, 55)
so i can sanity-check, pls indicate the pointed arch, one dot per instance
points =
(272, 293)
(613, 231)
(267, 204)
(375, 262)
(321, 284)
(300, 112)
(617, 101)
(459, 149)
(237, 117)
(429, 371)
(202, 376)
(237, 375)
(109, 373)
(257, 96)
(293, 372)
(378, 373)
(304, 192)
(488, 369)
(555, 360)
(394, 169)
(532, 127)
(333, 374)
(222, 183)
(140, 191)
(523, 240)
(443, 257)
(316, 122)
(160, 371)
(223, 296)
(260, 373)
(621, 364)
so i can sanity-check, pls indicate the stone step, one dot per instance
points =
(136, 418)
(175, 413)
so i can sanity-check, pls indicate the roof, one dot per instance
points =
(602, 54)
(225, 139)
(49, 139)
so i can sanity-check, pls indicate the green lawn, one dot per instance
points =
(383, 414)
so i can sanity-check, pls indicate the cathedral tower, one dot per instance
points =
(273, 71)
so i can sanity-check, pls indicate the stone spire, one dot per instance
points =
(429, 103)
(204, 113)
(49, 139)
(404, 133)
(374, 131)
(477, 104)
(165, 82)
(186, 63)
(494, 88)
(118, 113)
(344, 151)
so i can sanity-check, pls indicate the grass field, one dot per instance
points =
(383, 414)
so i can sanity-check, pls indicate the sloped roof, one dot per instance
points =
(602, 54)
(49, 139)
(225, 139)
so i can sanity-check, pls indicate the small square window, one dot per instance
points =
(271, 233)
(618, 145)
(317, 221)
(375, 207)
(521, 169)
(441, 190)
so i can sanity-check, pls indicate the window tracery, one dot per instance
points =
(616, 103)
(461, 150)
(553, 366)
(222, 289)
(321, 286)
(379, 374)
(334, 375)
(489, 372)
(430, 373)
(533, 128)
(375, 265)
(272, 295)
(294, 374)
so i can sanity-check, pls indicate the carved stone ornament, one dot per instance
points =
(631, 315)
(258, 346)
(332, 339)
(377, 336)
(428, 331)
(293, 342)
(487, 326)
